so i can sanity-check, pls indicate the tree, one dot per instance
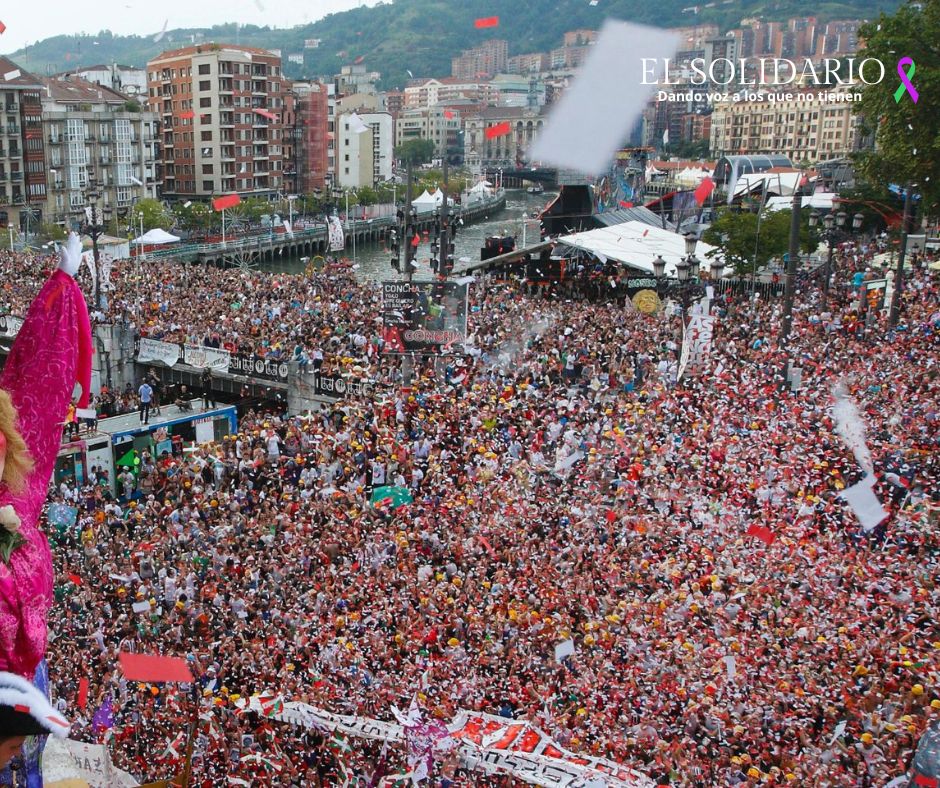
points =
(907, 146)
(417, 151)
(735, 235)
(366, 195)
(155, 215)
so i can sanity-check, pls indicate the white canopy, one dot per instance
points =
(156, 237)
(636, 244)
(777, 182)
(483, 187)
(822, 200)
(424, 199)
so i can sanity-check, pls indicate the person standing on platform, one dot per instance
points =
(208, 400)
(145, 393)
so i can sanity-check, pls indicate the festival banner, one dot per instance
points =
(203, 357)
(255, 367)
(334, 386)
(153, 351)
(493, 745)
(67, 759)
(423, 317)
(696, 343)
(336, 237)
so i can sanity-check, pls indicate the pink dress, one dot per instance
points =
(51, 352)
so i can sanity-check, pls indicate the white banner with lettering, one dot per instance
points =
(697, 342)
(10, 325)
(494, 745)
(154, 351)
(66, 759)
(202, 357)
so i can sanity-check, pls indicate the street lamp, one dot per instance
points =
(688, 284)
(833, 231)
(93, 226)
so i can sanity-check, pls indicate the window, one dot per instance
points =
(207, 169)
(204, 68)
(207, 186)
(347, 157)
(205, 101)
(205, 84)
(207, 153)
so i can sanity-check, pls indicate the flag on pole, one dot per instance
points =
(228, 201)
(702, 191)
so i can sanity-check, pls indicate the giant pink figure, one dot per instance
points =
(51, 353)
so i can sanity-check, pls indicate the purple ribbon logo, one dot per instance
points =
(906, 86)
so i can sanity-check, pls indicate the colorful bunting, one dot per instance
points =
(228, 201)
(705, 188)
(486, 21)
(499, 130)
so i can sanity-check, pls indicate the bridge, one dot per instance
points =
(312, 240)
(516, 176)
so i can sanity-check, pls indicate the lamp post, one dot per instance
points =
(687, 285)
(93, 226)
(832, 233)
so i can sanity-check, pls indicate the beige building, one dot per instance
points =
(437, 124)
(431, 92)
(91, 132)
(804, 130)
(363, 157)
(221, 107)
(481, 62)
(524, 127)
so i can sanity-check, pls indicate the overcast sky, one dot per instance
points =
(28, 21)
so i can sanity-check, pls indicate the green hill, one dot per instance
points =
(423, 35)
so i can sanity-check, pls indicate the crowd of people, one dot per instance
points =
(565, 485)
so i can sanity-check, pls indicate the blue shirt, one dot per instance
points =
(145, 393)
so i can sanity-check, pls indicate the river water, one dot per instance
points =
(375, 263)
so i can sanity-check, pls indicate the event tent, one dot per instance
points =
(636, 245)
(156, 237)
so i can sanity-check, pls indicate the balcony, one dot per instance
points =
(11, 108)
(16, 176)
(55, 140)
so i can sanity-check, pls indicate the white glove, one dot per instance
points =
(70, 255)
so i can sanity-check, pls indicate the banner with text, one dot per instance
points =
(202, 357)
(335, 386)
(423, 317)
(254, 367)
(153, 351)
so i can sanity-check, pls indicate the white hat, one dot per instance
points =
(25, 711)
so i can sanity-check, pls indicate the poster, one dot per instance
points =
(336, 237)
(334, 386)
(205, 432)
(423, 317)
(153, 351)
(202, 357)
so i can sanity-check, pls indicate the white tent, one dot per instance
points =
(425, 202)
(483, 187)
(636, 244)
(777, 182)
(692, 176)
(156, 237)
(823, 201)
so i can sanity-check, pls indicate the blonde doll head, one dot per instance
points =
(15, 462)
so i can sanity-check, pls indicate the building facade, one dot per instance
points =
(804, 130)
(221, 109)
(130, 81)
(437, 124)
(482, 62)
(22, 160)
(506, 149)
(431, 92)
(364, 158)
(92, 135)
(310, 163)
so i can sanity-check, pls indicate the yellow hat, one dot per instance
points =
(867, 738)
(453, 642)
(935, 704)
(917, 689)
(753, 772)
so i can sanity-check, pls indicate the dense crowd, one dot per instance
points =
(565, 485)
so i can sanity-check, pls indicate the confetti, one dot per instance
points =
(486, 21)
(448, 114)
(595, 115)
(228, 201)
(14, 74)
(3, 28)
(265, 114)
(499, 130)
(188, 115)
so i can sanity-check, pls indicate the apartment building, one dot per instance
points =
(364, 158)
(308, 168)
(481, 62)
(804, 130)
(221, 108)
(437, 124)
(95, 133)
(532, 63)
(431, 92)
(22, 161)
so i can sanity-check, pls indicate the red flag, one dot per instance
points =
(3, 27)
(625, 204)
(448, 114)
(703, 190)
(499, 130)
(75, 578)
(228, 201)
(153, 668)
(82, 693)
(611, 516)
(188, 115)
(486, 21)
(762, 533)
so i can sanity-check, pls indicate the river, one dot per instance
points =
(375, 263)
